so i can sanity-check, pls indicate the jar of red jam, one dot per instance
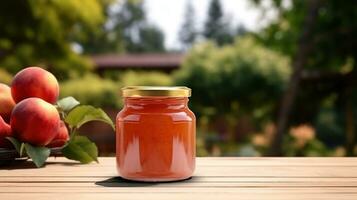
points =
(155, 134)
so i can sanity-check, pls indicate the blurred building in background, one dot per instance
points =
(164, 62)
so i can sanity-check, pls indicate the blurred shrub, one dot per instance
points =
(330, 125)
(92, 90)
(102, 92)
(240, 78)
(200, 146)
(132, 78)
(248, 150)
(235, 89)
(302, 141)
(5, 77)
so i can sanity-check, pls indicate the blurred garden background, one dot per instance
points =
(282, 84)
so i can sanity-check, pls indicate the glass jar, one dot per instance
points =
(155, 134)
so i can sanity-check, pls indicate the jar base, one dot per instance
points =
(156, 180)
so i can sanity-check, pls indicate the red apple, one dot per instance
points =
(6, 102)
(35, 82)
(5, 131)
(61, 138)
(35, 121)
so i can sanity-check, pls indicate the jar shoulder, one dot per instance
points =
(176, 115)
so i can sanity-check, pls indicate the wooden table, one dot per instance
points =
(215, 178)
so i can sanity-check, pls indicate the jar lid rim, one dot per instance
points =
(149, 91)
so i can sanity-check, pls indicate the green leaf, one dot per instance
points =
(38, 155)
(83, 114)
(68, 103)
(22, 149)
(17, 144)
(80, 148)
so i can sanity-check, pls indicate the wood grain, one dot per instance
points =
(215, 178)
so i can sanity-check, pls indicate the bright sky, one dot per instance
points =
(168, 15)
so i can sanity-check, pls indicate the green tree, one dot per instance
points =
(320, 38)
(138, 35)
(43, 32)
(216, 28)
(188, 32)
(241, 30)
(241, 79)
(151, 39)
(128, 22)
(127, 30)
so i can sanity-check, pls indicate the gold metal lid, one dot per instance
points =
(155, 91)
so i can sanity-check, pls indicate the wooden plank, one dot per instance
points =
(241, 161)
(225, 178)
(196, 181)
(229, 171)
(164, 190)
(44, 186)
(139, 193)
(263, 161)
(201, 179)
(252, 195)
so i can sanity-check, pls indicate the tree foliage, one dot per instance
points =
(331, 63)
(43, 32)
(333, 37)
(188, 32)
(127, 30)
(151, 39)
(100, 92)
(243, 77)
(216, 27)
(137, 33)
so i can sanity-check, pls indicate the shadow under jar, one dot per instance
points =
(156, 134)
